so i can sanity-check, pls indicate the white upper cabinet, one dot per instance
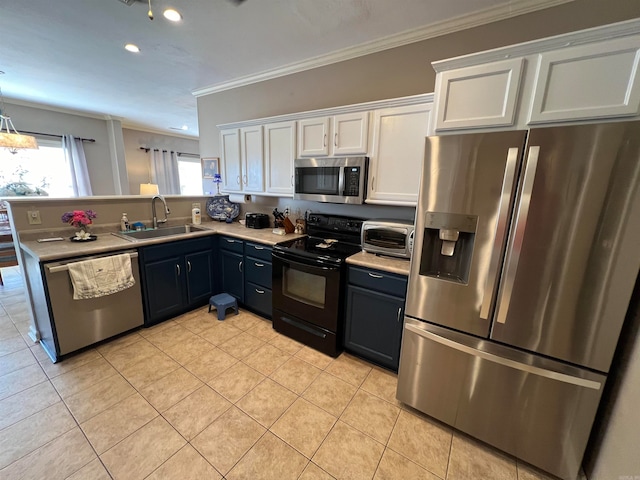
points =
(575, 77)
(397, 154)
(478, 96)
(279, 153)
(344, 134)
(350, 133)
(252, 159)
(231, 162)
(242, 159)
(588, 81)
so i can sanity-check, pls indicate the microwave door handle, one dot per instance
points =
(341, 175)
(517, 236)
(500, 230)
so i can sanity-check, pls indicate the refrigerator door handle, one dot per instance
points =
(518, 233)
(500, 231)
(507, 362)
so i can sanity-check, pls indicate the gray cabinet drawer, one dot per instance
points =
(388, 283)
(258, 250)
(258, 298)
(258, 271)
(231, 244)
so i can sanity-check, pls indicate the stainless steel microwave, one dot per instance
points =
(331, 180)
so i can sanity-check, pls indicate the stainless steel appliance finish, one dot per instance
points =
(79, 323)
(388, 237)
(514, 322)
(331, 180)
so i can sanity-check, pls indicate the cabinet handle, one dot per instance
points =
(238, 179)
(244, 179)
(335, 140)
(188, 266)
(258, 264)
(178, 267)
(240, 266)
(258, 248)
(261, 292)
(324, 141)
(375, 275)
(398, 316)
(230, 241)
(292, 180)
(373, 182)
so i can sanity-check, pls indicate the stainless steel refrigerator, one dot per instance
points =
(527, 248)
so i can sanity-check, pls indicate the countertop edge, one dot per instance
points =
(399, 266)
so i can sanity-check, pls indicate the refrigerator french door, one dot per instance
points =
(525, 258)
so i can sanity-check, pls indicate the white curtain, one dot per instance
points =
(74, 153)
(164, 171)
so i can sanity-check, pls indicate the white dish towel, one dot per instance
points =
(101, 276)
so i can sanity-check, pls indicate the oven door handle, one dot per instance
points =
(304, 263)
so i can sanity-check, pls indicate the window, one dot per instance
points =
(30, 171)
(190, 174)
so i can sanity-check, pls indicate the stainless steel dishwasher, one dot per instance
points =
(79, 323)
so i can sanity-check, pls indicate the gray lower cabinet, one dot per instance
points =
(374, 315)
(257, 279)
(177, 277)
(245, 273)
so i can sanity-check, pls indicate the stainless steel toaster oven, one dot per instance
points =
(388, 237)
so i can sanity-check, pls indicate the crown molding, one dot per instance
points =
(51, 108)
(481, 17)
(596, 34)
(326, 112)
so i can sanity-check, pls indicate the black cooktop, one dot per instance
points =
(332, 238)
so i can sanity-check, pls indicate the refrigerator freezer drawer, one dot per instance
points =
(536, 409)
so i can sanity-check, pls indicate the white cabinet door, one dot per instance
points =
(252, 159)
(350, 134)
(397, 154)
(279, 153)
(231, 162)
(478, 96)
(313, 137)
(588, 81)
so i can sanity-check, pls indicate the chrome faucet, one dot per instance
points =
(153, 210)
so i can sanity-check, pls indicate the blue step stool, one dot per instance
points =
(222, 301)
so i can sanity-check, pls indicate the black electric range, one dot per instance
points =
(309, 279)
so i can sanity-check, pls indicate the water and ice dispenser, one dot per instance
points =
(447, 246)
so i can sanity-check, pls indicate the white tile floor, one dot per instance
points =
(194, 398)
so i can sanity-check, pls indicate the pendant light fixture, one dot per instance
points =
(9, 137)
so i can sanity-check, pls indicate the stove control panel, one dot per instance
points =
(335, 223)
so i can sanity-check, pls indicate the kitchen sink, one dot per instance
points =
(160, 232)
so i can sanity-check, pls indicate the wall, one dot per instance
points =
(138, 160)
(103, 155)
(397, 72)
(98, 154)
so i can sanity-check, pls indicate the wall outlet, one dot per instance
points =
(286, 211)
(34, 217)
(195, 205)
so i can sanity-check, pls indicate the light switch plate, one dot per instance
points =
(34, 217)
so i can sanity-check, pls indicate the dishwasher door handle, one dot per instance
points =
(65, 267)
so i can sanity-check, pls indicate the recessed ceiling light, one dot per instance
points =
(184, 127)
(172, 15)
(130, 47)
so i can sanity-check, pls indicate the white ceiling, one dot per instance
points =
(69, 53)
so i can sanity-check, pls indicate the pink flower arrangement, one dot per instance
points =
(79, 218)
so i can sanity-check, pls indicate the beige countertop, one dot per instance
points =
(106, 242)
(386, 264)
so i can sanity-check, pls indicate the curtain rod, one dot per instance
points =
(184, 154)
(92, 140)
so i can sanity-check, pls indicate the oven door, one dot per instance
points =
(307, 289)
